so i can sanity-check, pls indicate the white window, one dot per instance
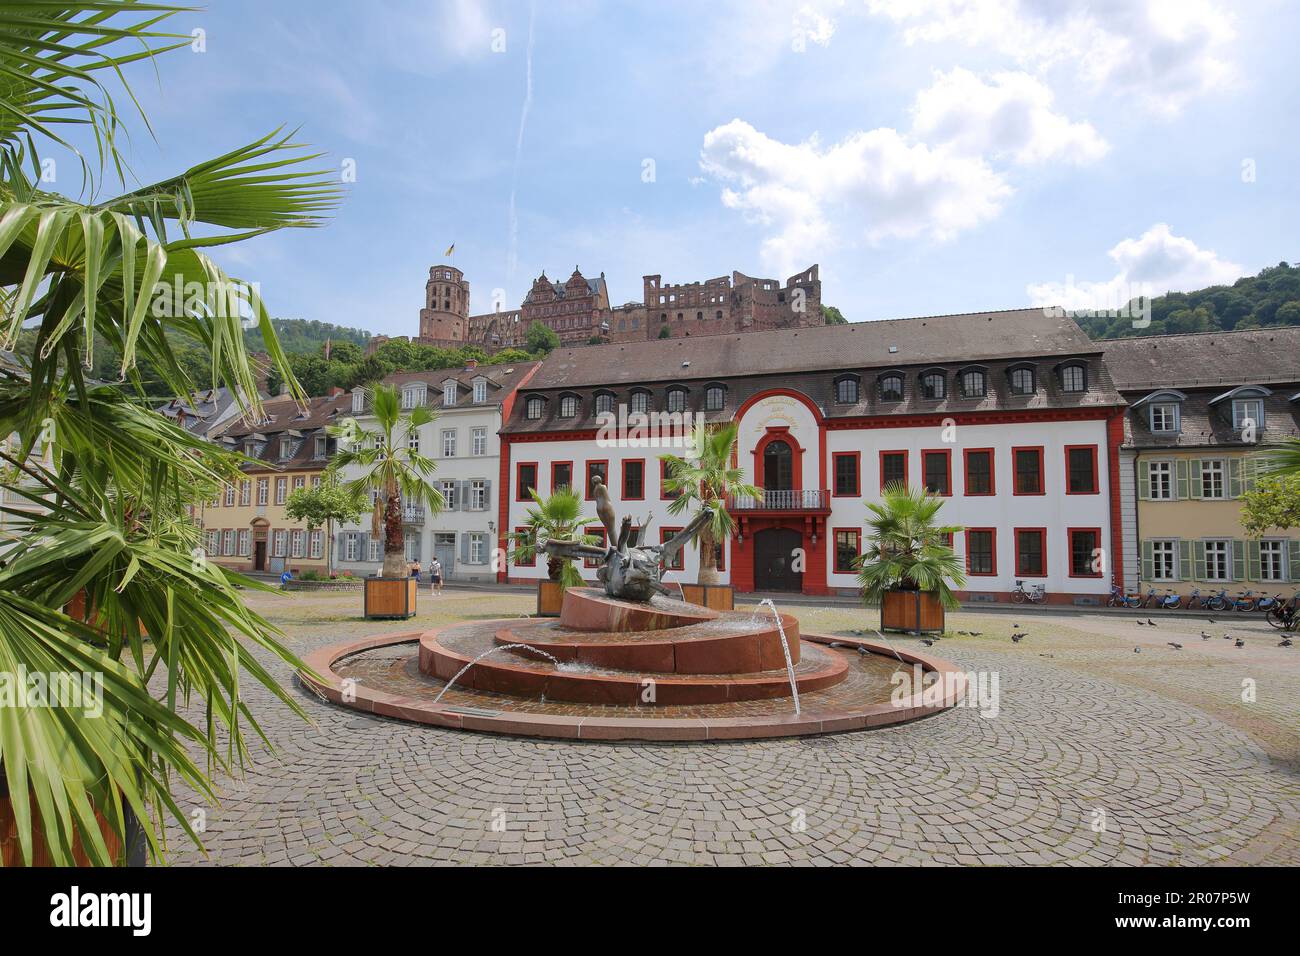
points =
(640, 402)
(1272, 560)
(413, 440)
(480, 391)
(296, 541)
(449, 443)
(1218, 562)
(245, 492)
(413, 548)
(322, 445)
(972, 383)
(263, 485)
(315, 481)
(1162, 481)
(413, 396)
(244, 542)
(228, 544)
(604, 403)
(214, 542)
(352, 548)
(299, 482)
(230, 496)
(1164, 417)
(317, 543)
(359, 400)
(1212, 479)
(376, 547)
(478, 441)
(534, 408)
(1164, 560)
(281, 490)
(1073, 378)
(1247, 411)
(449, 394)
(676, 400)
(1022, 381)
(568, 406)
(478, 496)
(279, 542)
(449, 495)
(477, 548)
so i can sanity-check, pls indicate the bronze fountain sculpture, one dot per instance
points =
(630, 570)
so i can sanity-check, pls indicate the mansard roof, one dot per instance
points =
(1207, 359)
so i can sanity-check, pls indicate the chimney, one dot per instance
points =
(335, 392)
(471, 364)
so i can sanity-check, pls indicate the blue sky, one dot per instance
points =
(933, 156)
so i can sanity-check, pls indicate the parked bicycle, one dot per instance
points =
(1218, 602)
(1284, 616)
(1266, 603)
(1119, 599)
(1168, 600)
(1036, 594)
(1244, 601)
(1194, 600)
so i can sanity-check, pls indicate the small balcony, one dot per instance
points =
(411, 515)
(791, 499)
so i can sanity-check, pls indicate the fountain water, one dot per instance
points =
(785, 646)
(488, 653)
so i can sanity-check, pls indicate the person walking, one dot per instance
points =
(435, 576)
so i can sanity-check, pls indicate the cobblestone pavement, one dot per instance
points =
(1159, 745)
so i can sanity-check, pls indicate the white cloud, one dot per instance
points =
(1152, 264)
(1161, 53)
(872, 185)
(1009, 117)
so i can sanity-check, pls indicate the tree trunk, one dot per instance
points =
(554, 568)
(394, 538)
(708, 558)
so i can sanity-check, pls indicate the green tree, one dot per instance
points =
(558, 517)
(1274, 503)
(833, 316)
(706, 480)
(323, 506)
(907, 548)
(115, 483)
(390, 467)
(541, 338)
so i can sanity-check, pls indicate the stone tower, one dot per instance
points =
(444, 318)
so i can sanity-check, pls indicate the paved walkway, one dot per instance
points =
(1158, 745)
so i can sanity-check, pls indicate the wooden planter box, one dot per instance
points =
(11, 853)
(550, 598)
(911, 611)
(390, 597)
(716, 597)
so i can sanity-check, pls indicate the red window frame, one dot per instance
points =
(892, 451)
(1042, 471)
(679, 563)
(965, 473)
(525, 564)
(1015, 540)
(663, 476)
(835, 551)
(857, 474)
(993, 549)
(625, 463)
(595, 531)
(586, 471)
(947, 459)
(1069, 538)
(520, 493)
(1096, 478)
(557, 464)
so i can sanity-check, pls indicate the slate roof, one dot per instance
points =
(501, 379)
(283, 416)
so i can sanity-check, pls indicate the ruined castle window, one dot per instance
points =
(932, 385)
(679, 317)
(641, 402)
(699, 316)
(719, 315)
(604, 403)
(534, 409)
(569, 406)
(676, 399)
(713, 398)
(891, 388)
(846, 390)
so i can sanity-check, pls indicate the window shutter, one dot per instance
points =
(363, 547)
(1148, 562)
(1180, 468)
(464, 549)
(1198, 557)
(1252, 561)
(1184, 560)
(1196, 479)
(1234, 479)
(487, 495)
(1249, 472)
(1293, 558)
(343, 547)
(462, 495)
(1238, 560)
(419, 542)
(1144, 479)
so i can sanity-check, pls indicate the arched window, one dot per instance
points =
(1074, 378)
(891, 388)
(972, 383)
(932, 385)
(676, 399)
(714, 398)
(568, 406)
(641, 402)
(1022, 381)
(534, 408)
(778, 466)
(604, 403)
(846, 390)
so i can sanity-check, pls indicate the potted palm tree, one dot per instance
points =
(397, 475)
(908, 564)
(109, 488)
(557, 517)
(708, 479)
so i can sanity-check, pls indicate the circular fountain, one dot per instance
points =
(615, 669)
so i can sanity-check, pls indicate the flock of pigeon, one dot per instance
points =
(1237, 642)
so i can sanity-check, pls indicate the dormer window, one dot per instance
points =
(413, 396)
(448, 394)
(715, 397)
(891, 388)
(480, 391)
(641, 402)
(1074, 378)
(604, 403)
(533, 408)
(1165, 419)
(676, 399)
(568, 406)
(1247, 411)
(973, 383)
(322, 446)
(286, 447)
(846, 390)
(359, 400)
(932, 385)
(1022, 381)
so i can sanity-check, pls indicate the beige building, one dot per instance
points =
(1200, 407)
(245, 527)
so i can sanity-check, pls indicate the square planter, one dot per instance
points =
(133, 853)
(550, 598)
(390, 598)
(716, 597)
(911, 612)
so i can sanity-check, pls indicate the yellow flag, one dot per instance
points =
(450, 249)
